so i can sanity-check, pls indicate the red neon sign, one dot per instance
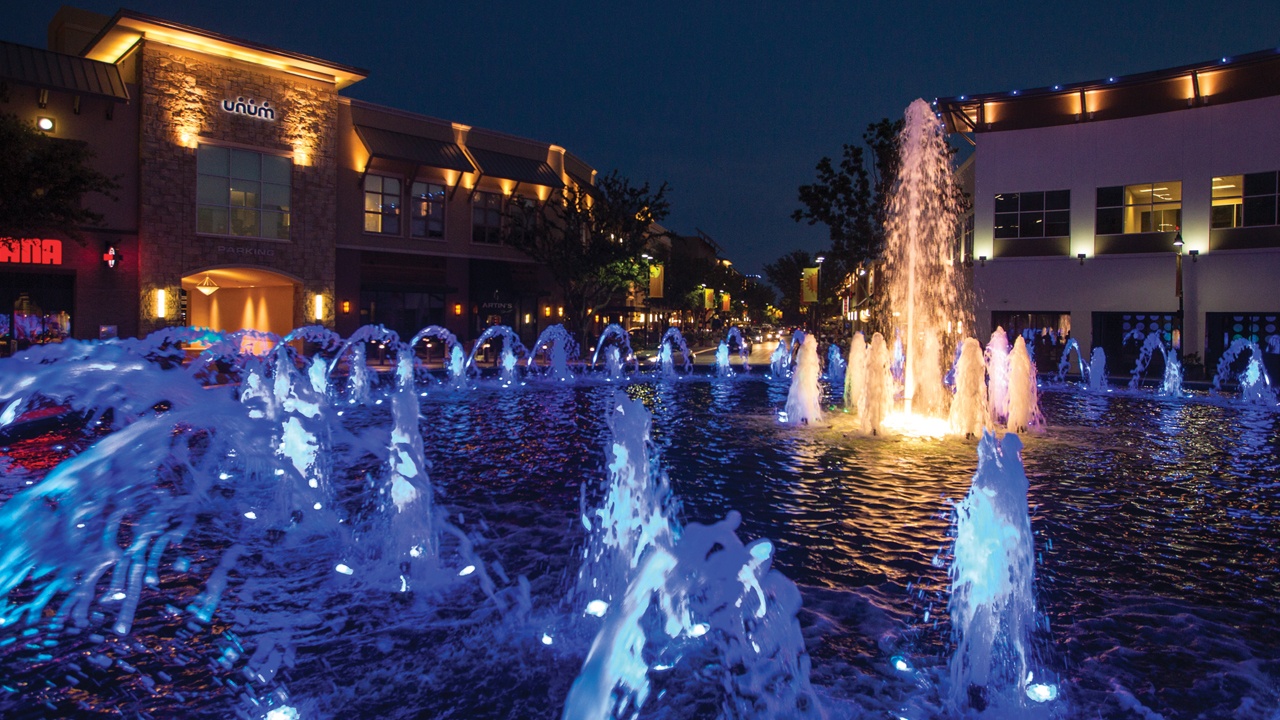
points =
(31, 251)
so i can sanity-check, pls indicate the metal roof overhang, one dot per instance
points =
(513, 167)
(413, 149)
(49, 70)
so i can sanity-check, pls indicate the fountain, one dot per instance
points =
(879, 387)
(744, 349)
(1172, 382)
(1255, 383)
(453, 354)
(722, 360)
(997, 355)
(559, 347)
(616, 337)
(969, 407)
(992, 604)
(835, 366)
(673, 341)
(1024, 404)
(780, 360)
(1064, 364)
(855, 378)
(923, 275)
(508, 358)
(804, 400)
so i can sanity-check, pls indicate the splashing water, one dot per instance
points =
(969, 407)
(744, 350)
(855, 378)
(780, 360)
(835, 366)
(1255, 383)
(722, 360)
(992, 605)
(1024, 404)
(509, 356)
(614, 336)
(559, 347)
(1098, 370)
(879, 387)
(804, 399)
(997, 354)
(672, 341)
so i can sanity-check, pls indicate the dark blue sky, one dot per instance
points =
(732, 103)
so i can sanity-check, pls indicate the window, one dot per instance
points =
(486, 218)
(381, 205)
(1151, 207)
(242, 193)
(1244, 200)
(1033, 214)
(426, 210)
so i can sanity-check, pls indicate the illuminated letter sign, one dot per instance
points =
(31, 251)
(249, 108)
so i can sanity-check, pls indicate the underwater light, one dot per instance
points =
(1041, 692)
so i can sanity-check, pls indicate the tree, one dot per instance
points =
(43, 181)
(784, 274)
(590, 240)
(850, 201)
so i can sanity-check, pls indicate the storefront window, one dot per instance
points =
(426, 210)
(242, 193)
(1150, 207)
(381, 205)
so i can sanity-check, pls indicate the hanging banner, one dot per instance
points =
(724, 302)
(656, 281)
(809, 286)
(708, 299)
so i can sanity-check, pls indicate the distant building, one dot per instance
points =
(254, 195)
(1080, 192)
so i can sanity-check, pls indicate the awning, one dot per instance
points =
(413, 149)
(512, 167)
(585, 186)
(45, 69)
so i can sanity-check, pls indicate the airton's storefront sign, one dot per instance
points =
(31, 251)
(250, 108)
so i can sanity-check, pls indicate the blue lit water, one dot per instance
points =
(1155, 524)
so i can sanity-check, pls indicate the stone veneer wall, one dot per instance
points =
(182, 94)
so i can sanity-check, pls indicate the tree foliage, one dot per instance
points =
(43, 181)
(784, 274)
(590, 239)
(850, 200)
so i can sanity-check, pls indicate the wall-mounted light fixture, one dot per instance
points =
(1080, 257)
(317, 307)
(982, 260)
(560, 311)
(162, 303)
(45, 124)
(1194, 254)
(346, 307)
(546, 311)
(110, 256)
(457, 308)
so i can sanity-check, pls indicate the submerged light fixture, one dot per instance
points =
(207, 286)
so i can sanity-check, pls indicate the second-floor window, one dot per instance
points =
(486, 218)
(242, 193)
(426, 210)
(1033, 214)
(1149, 207)
(1244, 200)
(381, 205)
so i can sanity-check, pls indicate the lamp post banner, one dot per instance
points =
(809, 286)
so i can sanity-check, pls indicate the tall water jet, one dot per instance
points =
(744, 350)
(992, 605)
(969, 407)
(855, 377)
(835, 366)
(722, 360)
(922, 271)
(1072, 346)
(804, 399)
(1098, 370)
(1024, 401)
(997, 355)
(879, 387)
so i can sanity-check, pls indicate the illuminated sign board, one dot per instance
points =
(249, 108)
(31, 251)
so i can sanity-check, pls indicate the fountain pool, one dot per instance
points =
(1153, 522)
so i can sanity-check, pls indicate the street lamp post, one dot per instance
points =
(817, 306)
(1177, 247)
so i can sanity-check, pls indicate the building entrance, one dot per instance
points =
(240, 298)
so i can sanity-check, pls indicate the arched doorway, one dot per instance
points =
(241, 298)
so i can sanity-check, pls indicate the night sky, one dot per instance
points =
(731, 103)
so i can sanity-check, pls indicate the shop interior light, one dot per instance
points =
(45, 124)
(207, 286)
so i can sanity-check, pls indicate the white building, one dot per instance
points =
(1080, 192)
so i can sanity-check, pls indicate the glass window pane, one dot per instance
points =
(1007, 202)
(276, 169)
(1057, 223)
(1031, 201)
(1260, 184)
(246, 165)
(390, 224)
(1031, 224)
(275, 197)
(1260, 210)
(372, 202)
(1225, 216)
(211, 220)
(1166, 192)
(391, 186)
(1137, 194)
(212, 190)
(211, 160)
(418, 227)
(244, 222)
(245, 193)
(275, 225)
(1228, 186)
(372, 222)
(1110, 221)
(1006, 225)
(1057, 200)
(1110, 197)
(373, 183)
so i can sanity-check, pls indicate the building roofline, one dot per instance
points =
(127, 27)
(1227, 79)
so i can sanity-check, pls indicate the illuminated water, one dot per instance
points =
(1153, 522)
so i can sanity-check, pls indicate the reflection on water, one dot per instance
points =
(1155, 523)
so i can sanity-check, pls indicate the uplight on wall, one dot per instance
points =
(560, 311)
(317, 307)
(457, 308)
(162, 304)
(546, 311)
(346, 307)
(528, 318)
